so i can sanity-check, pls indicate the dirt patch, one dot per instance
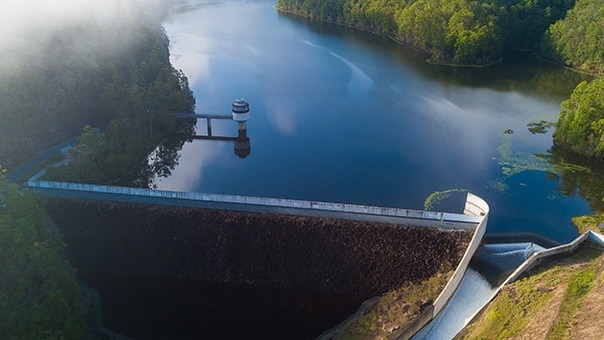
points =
(540, 324)
(588, 324)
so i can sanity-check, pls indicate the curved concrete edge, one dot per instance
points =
(544, 255)
(474, 206)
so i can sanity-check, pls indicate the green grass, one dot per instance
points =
(510, 312)
(585, 223)
(578, 287)
(395, 309)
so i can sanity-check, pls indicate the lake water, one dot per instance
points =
(344, 116)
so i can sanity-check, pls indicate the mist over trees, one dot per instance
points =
(88, 72)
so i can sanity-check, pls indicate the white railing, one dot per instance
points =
(460, 221)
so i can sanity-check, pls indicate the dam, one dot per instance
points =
(330, 251)
(374, 239)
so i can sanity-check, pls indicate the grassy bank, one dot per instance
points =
(555, 301)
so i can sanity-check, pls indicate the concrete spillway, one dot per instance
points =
(473, 293)
(475, 290)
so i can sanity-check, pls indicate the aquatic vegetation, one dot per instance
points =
(498, 185)
(540, 127)
(514, 162)
(438, 196)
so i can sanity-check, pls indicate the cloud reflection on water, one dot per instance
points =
(189, 173)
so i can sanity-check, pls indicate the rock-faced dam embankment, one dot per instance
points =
(178, 251)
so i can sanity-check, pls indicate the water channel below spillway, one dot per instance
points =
(476, 289)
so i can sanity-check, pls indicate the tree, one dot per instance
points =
(578, 39)
(580, 127)
(39, 293)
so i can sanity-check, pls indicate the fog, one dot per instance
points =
(25, 24)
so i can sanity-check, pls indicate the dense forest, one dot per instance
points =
(111, 83)
(454, 31)
(90, 73)
(39, 293)
(580, 126)
(578, 41)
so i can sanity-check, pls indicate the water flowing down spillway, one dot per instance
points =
(476, 290)
(473, 293)
(509, 253)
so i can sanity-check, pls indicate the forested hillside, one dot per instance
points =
(39, 293)
(88, 73)
(578, 40)
(580, 127)
(478, 32)
(58, 76)
(457, 31)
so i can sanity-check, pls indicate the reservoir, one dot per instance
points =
(339, 115)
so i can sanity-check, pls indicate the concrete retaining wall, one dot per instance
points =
(564, 249)
(546, 255)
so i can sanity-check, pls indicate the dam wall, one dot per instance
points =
(475, 207)
(474, 219)
(261, 204)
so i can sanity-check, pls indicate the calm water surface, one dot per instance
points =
(339, 115)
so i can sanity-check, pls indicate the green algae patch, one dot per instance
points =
(514, 162)
(437, 197)
(498, 185)
(540, 127)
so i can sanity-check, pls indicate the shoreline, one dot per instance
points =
(391, 38)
